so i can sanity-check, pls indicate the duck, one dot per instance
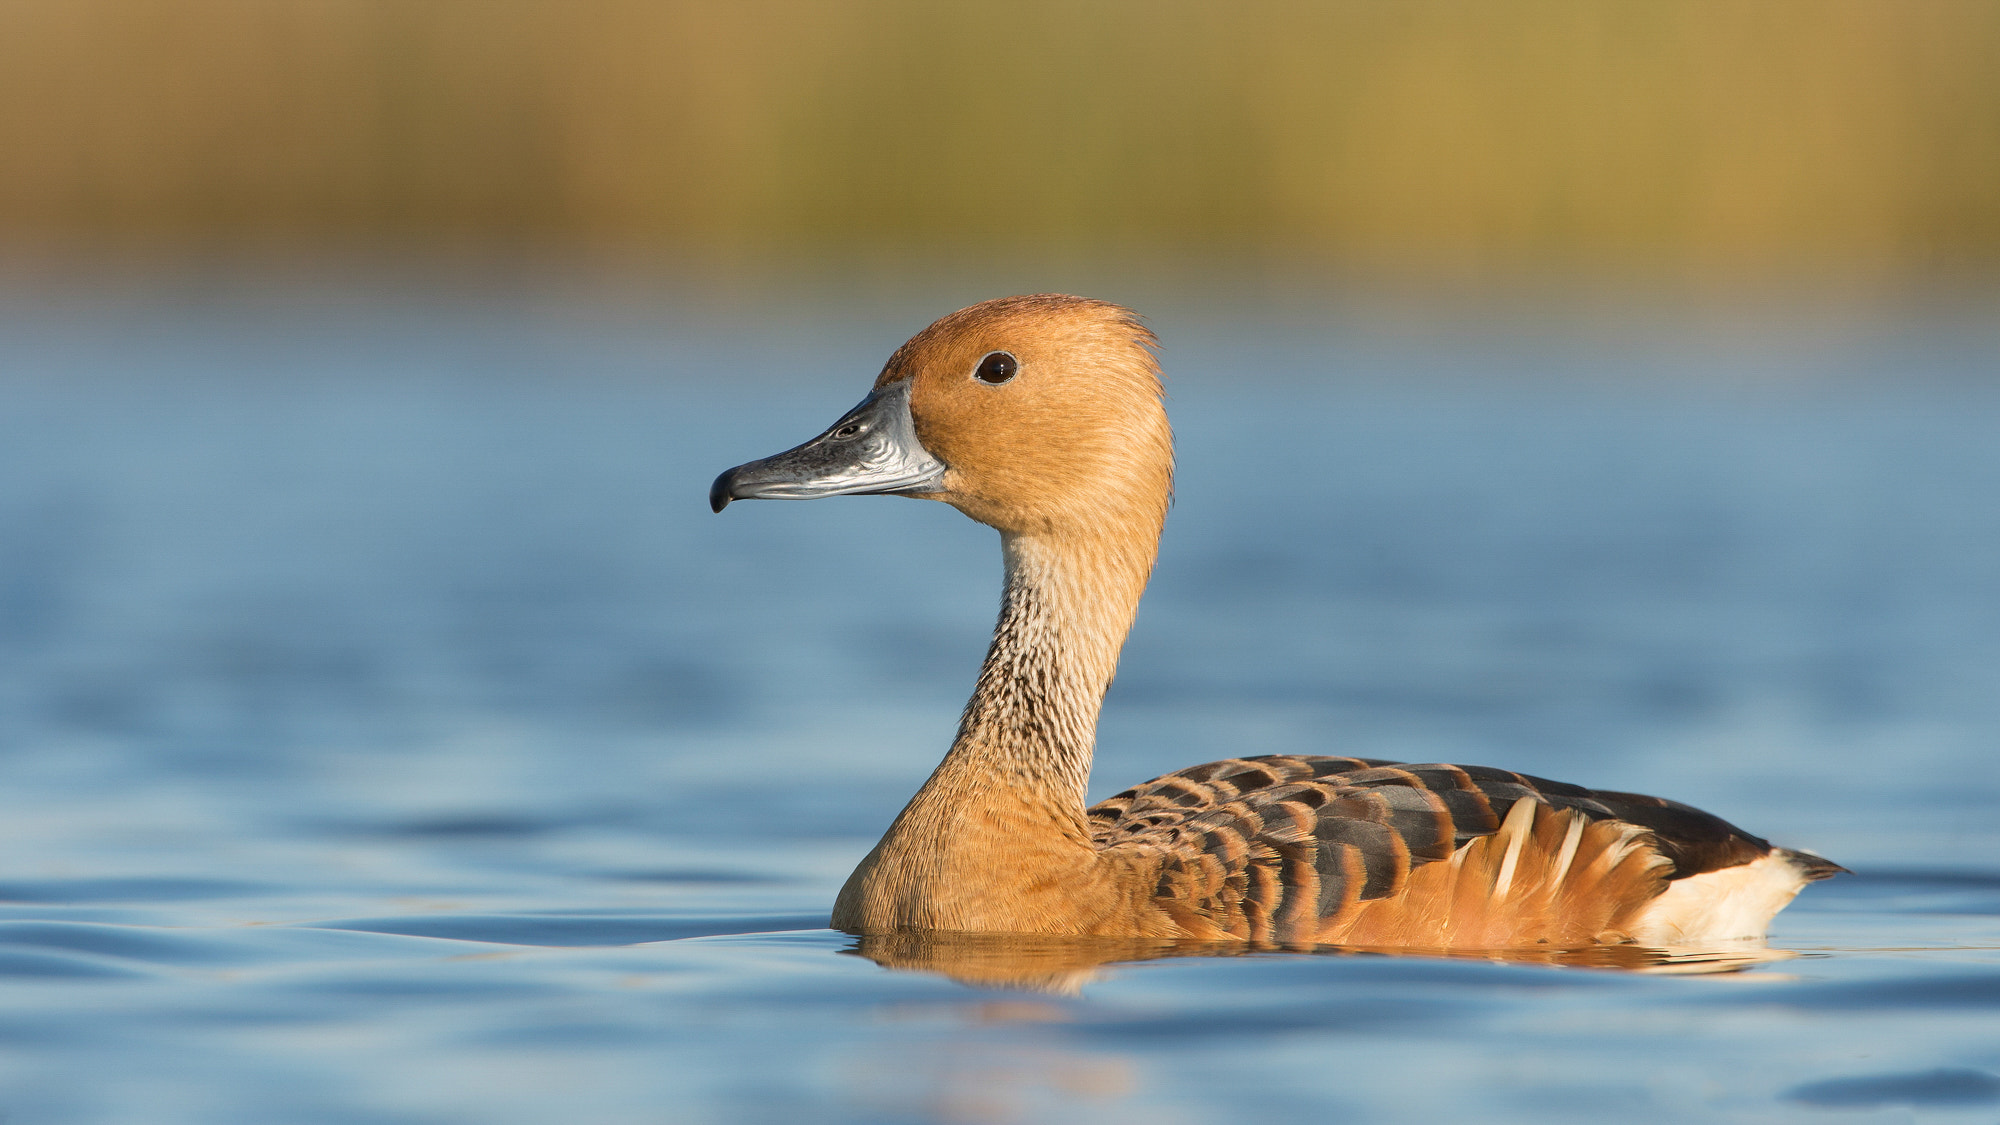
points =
(1043, 417)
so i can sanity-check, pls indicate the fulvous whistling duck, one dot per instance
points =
(1041, 416)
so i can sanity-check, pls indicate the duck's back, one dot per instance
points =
(1298, 849)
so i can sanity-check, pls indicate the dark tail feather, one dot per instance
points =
(1811, 866)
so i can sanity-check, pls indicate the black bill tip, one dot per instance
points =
(719, 495)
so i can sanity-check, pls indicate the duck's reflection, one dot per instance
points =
(1059, 965)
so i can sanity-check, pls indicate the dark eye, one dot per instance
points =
(997, 368)
(848, 430)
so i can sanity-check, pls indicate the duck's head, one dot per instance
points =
(1033, 414)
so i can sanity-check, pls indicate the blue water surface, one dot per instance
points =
(388, 733)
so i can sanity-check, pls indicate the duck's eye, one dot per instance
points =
(997, 368)
(848, 430)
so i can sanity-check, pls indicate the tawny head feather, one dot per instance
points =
(1046, 413)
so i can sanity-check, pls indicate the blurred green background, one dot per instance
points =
(1852, 139)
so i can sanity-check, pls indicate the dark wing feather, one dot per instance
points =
(1692, 840)
(1265, 847)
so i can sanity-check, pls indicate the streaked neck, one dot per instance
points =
(1031, 724)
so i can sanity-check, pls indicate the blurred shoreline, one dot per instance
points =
(1442, 142)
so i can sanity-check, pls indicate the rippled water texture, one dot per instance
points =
(389, 734)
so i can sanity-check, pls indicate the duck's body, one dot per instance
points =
(1041, 417)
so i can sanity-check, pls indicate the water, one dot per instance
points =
(389, 734)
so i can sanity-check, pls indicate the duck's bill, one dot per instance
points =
(872, 450)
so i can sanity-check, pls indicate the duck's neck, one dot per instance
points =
(997, 838)
(1021, 761)
(1032, 721)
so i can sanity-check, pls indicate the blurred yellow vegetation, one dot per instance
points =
(1459, 138)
